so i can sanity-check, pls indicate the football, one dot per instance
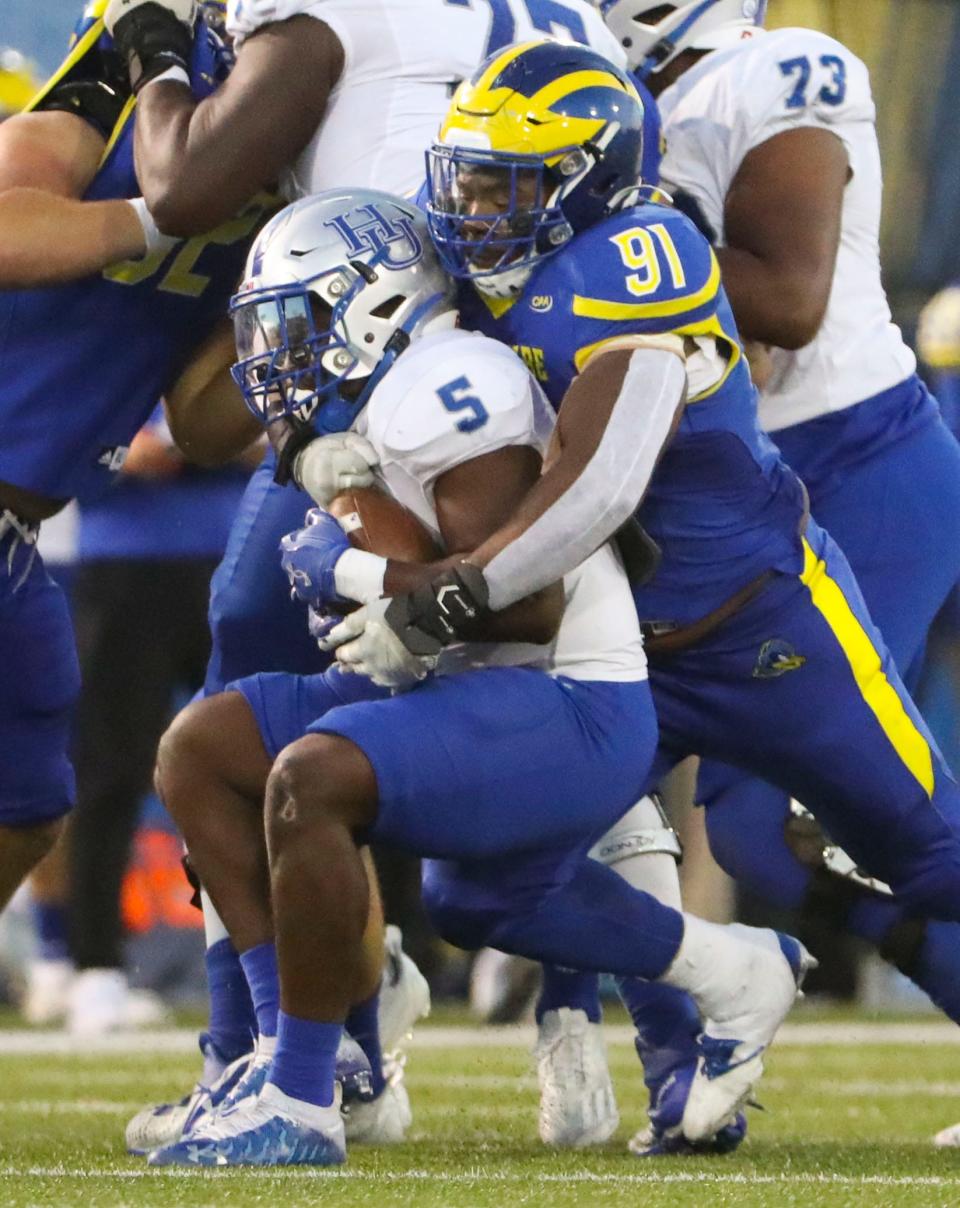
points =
(374, 521)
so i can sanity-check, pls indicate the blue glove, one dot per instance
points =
(310, 556)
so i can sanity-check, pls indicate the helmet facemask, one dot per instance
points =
(494, 215)
(338, 286)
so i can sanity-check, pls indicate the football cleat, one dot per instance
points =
(577, 1103)
(260, 1132)
(663, 1135)
(404, 994)
(353, 1072)
(502, 987)
(948, 1138)
(732, 1047)
(155, 1127)
(384, 1120)
(46, 993)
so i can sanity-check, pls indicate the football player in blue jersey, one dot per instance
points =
(114, 341)
(772, 149)
(762, 651)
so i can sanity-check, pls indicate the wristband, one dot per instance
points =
(173, 75)
(358, 575)
(153, 237)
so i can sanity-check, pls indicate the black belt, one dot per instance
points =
(659, 638)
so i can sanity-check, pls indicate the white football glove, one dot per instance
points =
(366, 644)
(183, 10)
(331, 464)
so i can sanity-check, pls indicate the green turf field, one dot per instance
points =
(850, 1108)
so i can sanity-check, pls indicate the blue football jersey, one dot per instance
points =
(721, 505)
(82, 365)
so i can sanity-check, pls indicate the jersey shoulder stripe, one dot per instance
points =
(648, 268)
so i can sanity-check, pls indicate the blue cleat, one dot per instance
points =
(261, 1132)
(663, 1135)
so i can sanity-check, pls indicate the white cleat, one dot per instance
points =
(102, 1001)
(384, 1120)
(577, 1103)
(404, 994)
(948, 1138)
(164, 1124)
(502, 987)
(47, 991)
(733, 1044)
(161, 1125)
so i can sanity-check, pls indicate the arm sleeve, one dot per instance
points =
(608, 491)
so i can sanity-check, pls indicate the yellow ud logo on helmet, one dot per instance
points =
(541, 303)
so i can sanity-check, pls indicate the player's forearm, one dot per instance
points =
(532, 619)
(46, 239)
(620, 418)
(186, 184)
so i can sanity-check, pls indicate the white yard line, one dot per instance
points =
(480, 1175)
(176, 1041)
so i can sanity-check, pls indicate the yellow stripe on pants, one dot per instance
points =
(881, 696)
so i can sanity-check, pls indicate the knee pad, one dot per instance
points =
(642, 831)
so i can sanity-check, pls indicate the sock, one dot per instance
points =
(304, 1064)
(50, 924)
(233, 1023)
(569, 988)
(260, 967)
(667, 1022)
(363, 1024)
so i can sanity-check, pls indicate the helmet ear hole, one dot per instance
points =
(388, 308)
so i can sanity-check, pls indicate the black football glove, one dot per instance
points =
(151, 36)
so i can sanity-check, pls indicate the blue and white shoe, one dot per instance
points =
(664, 1135)
(165, 1123)
(266, 1131)
(733, 1043)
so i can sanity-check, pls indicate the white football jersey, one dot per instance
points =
(451, 397)
(729, 103)
(402, 62)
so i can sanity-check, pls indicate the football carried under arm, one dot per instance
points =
(471, 499)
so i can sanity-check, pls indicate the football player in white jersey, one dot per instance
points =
(771, 147)
(324, 93)
(345, 308)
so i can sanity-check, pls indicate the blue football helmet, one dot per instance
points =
(653, 34)
(544, 140)
(337, 285)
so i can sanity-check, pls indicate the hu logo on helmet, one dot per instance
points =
(367, 230)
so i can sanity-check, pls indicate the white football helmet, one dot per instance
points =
(336, 287)
(654, 34)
